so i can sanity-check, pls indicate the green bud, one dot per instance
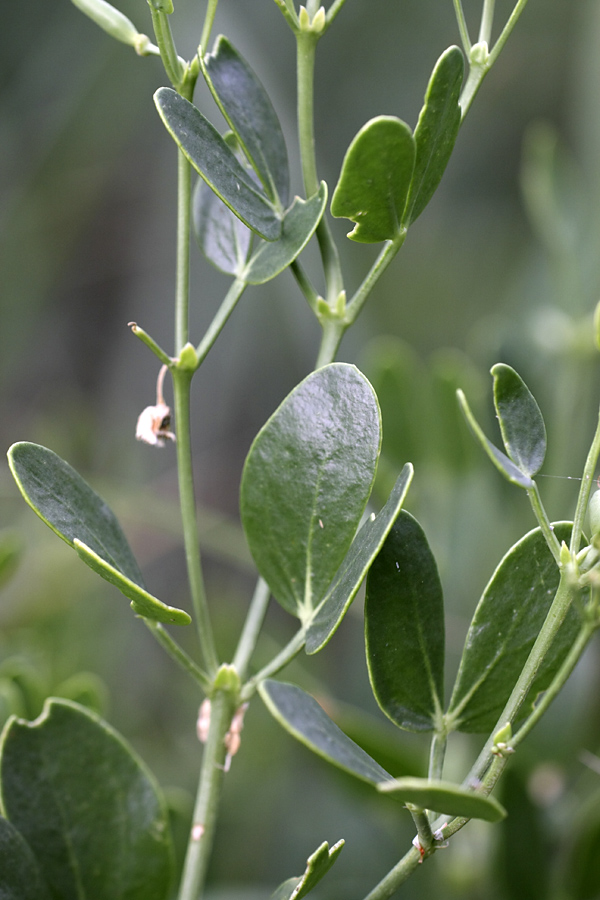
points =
(110, 20)
(479, 54)
(227, 679)
(188, 358)
(594, 513)
(316, 24)
(565, 555)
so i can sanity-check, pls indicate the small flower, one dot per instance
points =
(154, 421)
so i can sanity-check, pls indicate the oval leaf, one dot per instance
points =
(445, 797)
(375, 178)
(86, 806)
(20, 877)
(69, 506)
(365, 547)
(404, 628)
(306, 482)
(299, 224)
(521, 422)
(250, 114)
(221, 236)
(305, 720)
(216, 163)
(436, 131)
(504, 465)
(506, 623)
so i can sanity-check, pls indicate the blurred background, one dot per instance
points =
(503, 265)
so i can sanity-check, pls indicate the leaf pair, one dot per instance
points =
(305, 485)
(389, 175)
(69, 506)
(83, 819)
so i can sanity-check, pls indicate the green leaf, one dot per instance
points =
(86, 805)
(521, 422)
(317, 865)
(20, 877)
(500, 460)
(436, 131)
(506, 623)
(250, 114)
(306, 482)
(299, 224)
(305, 720)
(445, 797)
(365, 547)
(221, 236)
(216, 163)
(375, 178)
(69, 506)
(404, 628)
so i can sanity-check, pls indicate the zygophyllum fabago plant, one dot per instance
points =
(82, 817)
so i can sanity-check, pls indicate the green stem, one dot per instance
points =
(278, 662)
(333, 332)
(556, 614)
(305, 285)
(543, 521)
(424, 832)
(333, 10)
(252, 627)
(227, 306)
(209, 19)
(396, 876)
(151, 343)
(462, 26)
(182, 277)
(306, 51)
(181, 390)
(207, 800)
(179, 655)
(387, 254)
(174, 65)
(436, 755)
(558, 683)
(506, 31)
(584, 492)
(487, 20)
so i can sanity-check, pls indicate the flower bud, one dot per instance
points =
(110, 20)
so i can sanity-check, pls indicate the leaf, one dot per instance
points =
(69, 506)
(86, 805)
(521, 422)
(445, 797)
(209, 154)
(306, 482)
(506, 623)
(317, 865)
(365, 547)
(500, 460)
(375, 178)
(404, 628)
(221, 236)
(305, 720)
(436, 131)
(20, 877)
(299, 224)
(250, 114)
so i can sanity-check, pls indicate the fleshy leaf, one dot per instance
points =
(404, 628)
(317, 865)
(500, 460)
(305, 720)
(299, 224)
(69, 506)
(365, 547)
(436, 131)
(142, 602)
(20, 877)
(375, 178)
(521, 422)
(221, 236)
(306, 482)
(209, 154)
(86, 806)
(250, 114)
(505, 625)
(445, 797)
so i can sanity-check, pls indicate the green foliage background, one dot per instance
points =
(503, 265)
